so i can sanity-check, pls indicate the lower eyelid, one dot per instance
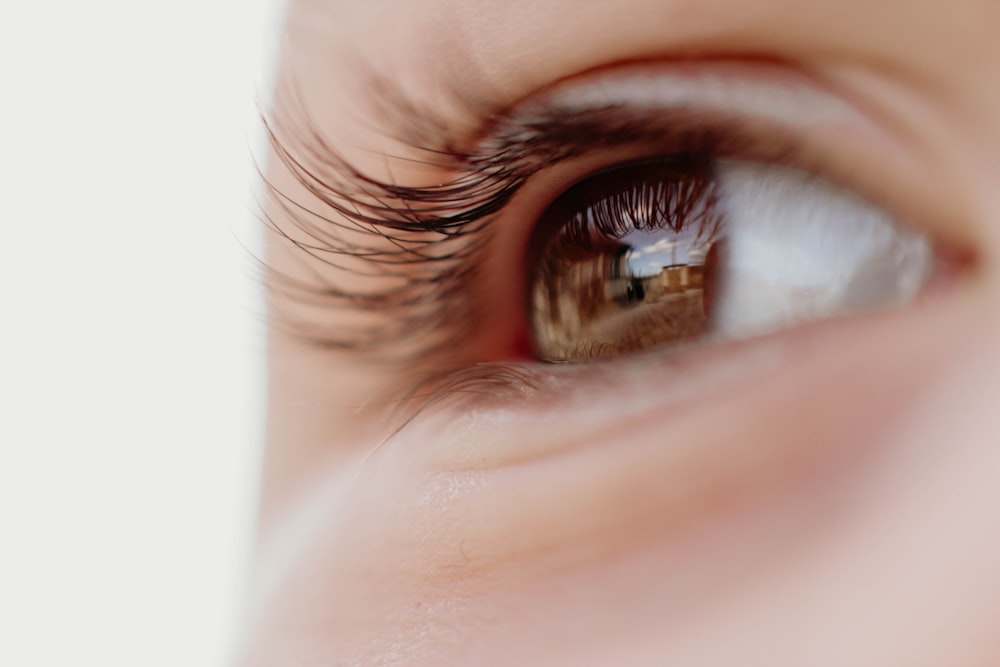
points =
(502, 415)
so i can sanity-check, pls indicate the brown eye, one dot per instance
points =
(661, 252)
(625, 260)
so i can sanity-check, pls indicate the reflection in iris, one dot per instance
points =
(633, 269)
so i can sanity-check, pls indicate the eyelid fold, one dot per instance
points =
(750, 91)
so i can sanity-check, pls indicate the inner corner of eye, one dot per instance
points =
(682, 249)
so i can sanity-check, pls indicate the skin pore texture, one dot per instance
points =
(824, 495)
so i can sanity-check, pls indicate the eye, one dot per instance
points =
(693, 248)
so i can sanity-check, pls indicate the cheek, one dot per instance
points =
(773, 512)
(851, 502)
(609, 471)
(859, 531)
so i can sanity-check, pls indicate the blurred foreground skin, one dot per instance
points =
(829, 496)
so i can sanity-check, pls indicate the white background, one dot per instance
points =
(131, 330)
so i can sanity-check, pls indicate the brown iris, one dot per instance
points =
(625, 260)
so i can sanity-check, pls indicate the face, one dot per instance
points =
(633, 332)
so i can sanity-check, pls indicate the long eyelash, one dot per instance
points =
(421, 241)
(685, 198)
(675, 194)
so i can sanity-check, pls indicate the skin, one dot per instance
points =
(822, 496)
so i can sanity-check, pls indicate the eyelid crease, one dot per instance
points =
(780, 94)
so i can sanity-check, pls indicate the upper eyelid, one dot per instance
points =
(517, 143)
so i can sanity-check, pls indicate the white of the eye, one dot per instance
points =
(800, 248)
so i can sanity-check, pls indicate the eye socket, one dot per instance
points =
(693, 248)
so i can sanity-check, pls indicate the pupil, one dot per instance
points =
(635, 292)
(621, 278)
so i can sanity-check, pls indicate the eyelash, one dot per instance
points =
(426, 241)
(416, 237)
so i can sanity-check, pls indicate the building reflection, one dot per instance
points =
(615, 302)
(626, 288)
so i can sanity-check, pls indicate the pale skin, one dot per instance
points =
(823, 496)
